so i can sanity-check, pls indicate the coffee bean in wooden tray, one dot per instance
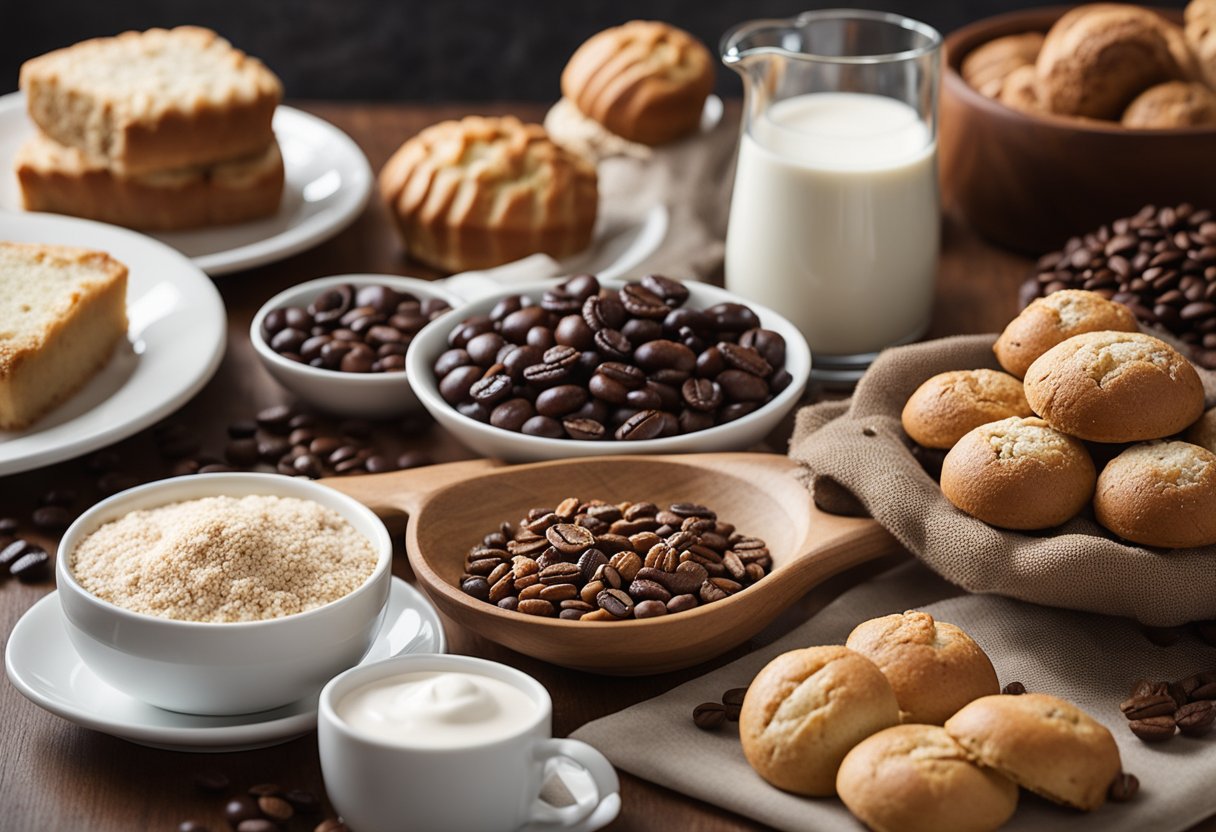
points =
(1161, 263)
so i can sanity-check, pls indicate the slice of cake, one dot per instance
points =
(156, 100)
(63, 180)
(62, 312)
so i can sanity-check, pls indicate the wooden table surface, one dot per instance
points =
(57, 776)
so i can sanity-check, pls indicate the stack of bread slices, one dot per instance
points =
(156, 130)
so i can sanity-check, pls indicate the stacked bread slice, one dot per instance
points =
(156, 130)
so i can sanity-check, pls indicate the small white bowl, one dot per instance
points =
(363, 395)
(222, 668)
(487, 440)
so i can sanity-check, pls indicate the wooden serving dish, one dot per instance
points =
(1030, 182)
(451, 507)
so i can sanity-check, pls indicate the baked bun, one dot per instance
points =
(1043, 744)
(480, 192)
(1115, 387)
(806, 709)
(933, 667)
(1203, 432)
(915, 778)
(1057, 317)
(645, 81)
(1172, 104)
(1160, 494)
(1018, 473)
(1200, 16)
(1097, 58)
(949, 404)
(1021, 90)
(987, 66)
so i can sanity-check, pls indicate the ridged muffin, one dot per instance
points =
(1200, 16)
(950, 404)
(1160, 494)
(1172, 104)
(646, 81)
(1055, 318)
(484, 191)
(988, 66)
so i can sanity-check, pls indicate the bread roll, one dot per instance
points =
(949, 404)
(1170, 105)
(1057, 317)
(987, 66)
(1160, 494)
(1200, 18)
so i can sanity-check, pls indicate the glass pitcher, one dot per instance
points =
(834, 219)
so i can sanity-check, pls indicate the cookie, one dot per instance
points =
(1055, 318)
(1160, 494)
(949, 404)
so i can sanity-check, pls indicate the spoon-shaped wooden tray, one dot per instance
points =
(451, 507)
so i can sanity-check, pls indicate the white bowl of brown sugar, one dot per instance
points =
(223, 593)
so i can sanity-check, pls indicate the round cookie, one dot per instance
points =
(933, 667)
(987, 66)
(1160, 494)
(1018, 473)
(806, 709)
(1043, 744)
(1172, 104)
(1055, 318)
(949, 404)
(1203, 432)
(915, 778)
(1115, 387)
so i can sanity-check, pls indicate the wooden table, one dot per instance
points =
(57, 776)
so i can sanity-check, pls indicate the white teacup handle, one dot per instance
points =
(590, 811)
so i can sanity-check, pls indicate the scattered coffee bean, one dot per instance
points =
(732, 700)
(33, 565)
(191, 826)
(275, 418)
(331, 825)
(275, 808)
(1014, 689)
(709, 716)
(257, 825)
(1124, 787)
(52, 518)
(303, 801)
(1195, 718)
(212, 782)
(265, 790)
(1150, 705)
(240, 809)
(11, 553)
(1153, 729)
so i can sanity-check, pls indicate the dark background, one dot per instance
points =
(419, 50)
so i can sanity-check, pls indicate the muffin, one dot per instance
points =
(1172, 104)
(949, 404)
(806, 709)
(480, 192)
(1055, 318)
(1160, 494)
(933, 667)
(1043, 744)
(1021, 90)
(1018, 473)
(915, 778)
(1115, 387)
(986, 67)
(645, 81)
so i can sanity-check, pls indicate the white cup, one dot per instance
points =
(382, 786)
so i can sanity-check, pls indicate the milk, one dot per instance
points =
(834, 220)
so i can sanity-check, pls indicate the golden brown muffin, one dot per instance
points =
(646, 81)
(806, 709)
(1160, 494)
(933, 667)
(1042, 743)
(987, 66)
(949, 404)
(915, 778)
(1172, 104)
(1115, 387)
(480, 192)
(1018, 474)
(1097, 58)
(1021, 90)
(1203, 432)
(1055, 318)
(1200, 18)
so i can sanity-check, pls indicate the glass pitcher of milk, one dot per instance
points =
(834, 219)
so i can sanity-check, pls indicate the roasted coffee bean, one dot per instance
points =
(1195, 719)
(616, 602)
(52, 518)
(1153, 729)
(680, 603)
(1014, 689)
(34, 564)
(257, 825)
(709, 716)
(1123, 788)
(1143, 707)
(732, 701)
(191, 826)
(645, 590)
(671, 291)
(303, 801)
(275, 418)
(584, 429)
(569, 538)
(331, 825)
(645, 424)
(240, 809)
(536, 606)
(276, 808)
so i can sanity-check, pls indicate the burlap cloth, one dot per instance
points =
(857, 448)
(1089, 659)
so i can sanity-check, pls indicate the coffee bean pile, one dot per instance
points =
(598, 561)
(710, 716)
(265, 807)
(351, 330)
(590, 363)
(1160, 263)
(1157, 710)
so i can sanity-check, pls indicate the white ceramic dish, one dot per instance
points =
(176, 340)
(42, 664)
(490, 441)
(328, 183)
(222, 669)
(365, 395)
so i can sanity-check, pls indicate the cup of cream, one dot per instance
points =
(434, 742)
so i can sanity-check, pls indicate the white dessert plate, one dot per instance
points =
(328, 184)
(174, 344)
(42, 664)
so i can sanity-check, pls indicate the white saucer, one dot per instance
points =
(328, 182)
(42, 664)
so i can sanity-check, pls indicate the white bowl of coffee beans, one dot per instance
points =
(582, 367)
(223, 593)
(339, 343)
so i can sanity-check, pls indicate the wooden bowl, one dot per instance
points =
(1029, 182)
(451, 507)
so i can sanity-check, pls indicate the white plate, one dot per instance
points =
(175, 342)
(328, 184)
(42, 665)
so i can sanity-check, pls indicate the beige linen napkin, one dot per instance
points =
(1089, 659)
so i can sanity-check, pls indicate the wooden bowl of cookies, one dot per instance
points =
(1028, 179)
